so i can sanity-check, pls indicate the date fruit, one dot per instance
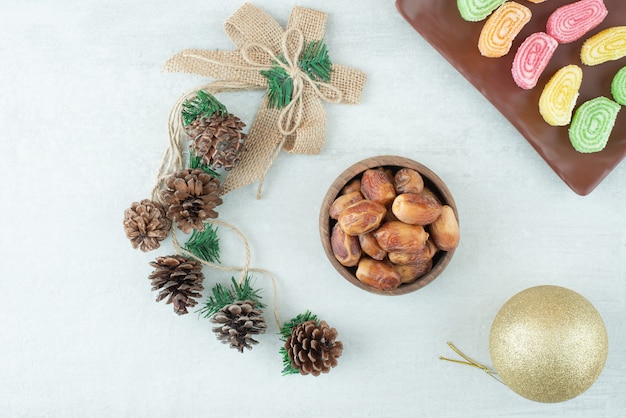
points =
(378, 274)
(408, 180)
(427, 252)
(370, 246)
(376, 186)
(416, 208)
(401, 237)
(361, 217)
(445, 230)
(353, 186)
(411, 272)
(343, 202)
(346, 248)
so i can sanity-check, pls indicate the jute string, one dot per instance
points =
(288, 122)
(173, 161)
(244, 270)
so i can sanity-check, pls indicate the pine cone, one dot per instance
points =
(218, 139)
(239, 322)
(180, 280)
(146, 225)
(190, 196)
(312, 347)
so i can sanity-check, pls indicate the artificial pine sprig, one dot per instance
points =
(287, 366)
(279, 86)
(205, 245)
(285, 333)
(195, 161)
(203, 105)
(223, 296)
(313, 60)
(285, 330)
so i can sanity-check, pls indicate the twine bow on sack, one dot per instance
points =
(300, 125)
(290, 116)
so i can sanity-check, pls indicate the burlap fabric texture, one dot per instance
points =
(299, 127)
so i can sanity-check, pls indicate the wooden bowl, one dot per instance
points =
(431, 180)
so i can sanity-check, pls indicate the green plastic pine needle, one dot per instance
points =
(223, 296)
(203, 105)
(313, 60)
(205, 245)
(246, 292)
(287, 366)
(285, 332)
(195, 161)
(279, 86)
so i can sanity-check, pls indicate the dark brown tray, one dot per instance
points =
(439, 22)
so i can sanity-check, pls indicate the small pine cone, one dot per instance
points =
(218, 139)
(239, 322)
(180, 280)
(146, 224)
(312, 347)
(190, 196)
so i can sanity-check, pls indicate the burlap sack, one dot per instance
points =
(301, 126)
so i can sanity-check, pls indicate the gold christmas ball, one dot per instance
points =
(548, 344)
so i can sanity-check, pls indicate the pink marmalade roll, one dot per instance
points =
(571, 22)
(531, 59)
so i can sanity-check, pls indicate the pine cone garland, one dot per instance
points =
(218, 139)
(239, 322)
(146, 224)
(190, 196)
(180, 280)
(312, 348)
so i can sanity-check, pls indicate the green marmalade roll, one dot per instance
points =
(592, 124)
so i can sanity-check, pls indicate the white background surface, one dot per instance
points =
(83, 117)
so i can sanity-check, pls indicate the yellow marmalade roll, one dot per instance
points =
(559, 95)
(607, 45)
(499, 31)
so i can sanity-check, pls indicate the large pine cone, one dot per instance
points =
(190, 196)
(239, 322)
(180, 280)
(146, 225)
(218, 140)
(312, 347)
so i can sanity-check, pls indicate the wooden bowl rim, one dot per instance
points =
(431, 179)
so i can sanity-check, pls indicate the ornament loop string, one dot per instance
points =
(470, 362)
